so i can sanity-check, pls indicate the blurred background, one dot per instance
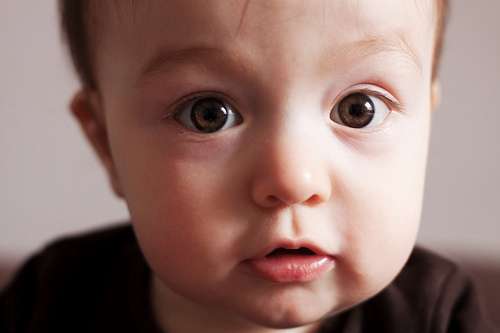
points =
(51, 184)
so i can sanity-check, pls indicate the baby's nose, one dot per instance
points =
(290, 171)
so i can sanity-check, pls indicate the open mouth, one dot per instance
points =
(304, 251)
(284, 265)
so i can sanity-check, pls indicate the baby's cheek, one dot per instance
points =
(185, 227)
(371, 260)
(380, 228)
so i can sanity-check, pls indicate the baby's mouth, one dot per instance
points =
(302, 251)
(284, 265)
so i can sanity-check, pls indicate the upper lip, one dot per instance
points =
(291, 245)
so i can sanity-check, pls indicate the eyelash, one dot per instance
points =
(389, 100)
(182, 102)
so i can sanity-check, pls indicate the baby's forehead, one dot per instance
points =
(294, 25)
(368, 15)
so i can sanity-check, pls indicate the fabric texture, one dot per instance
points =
(100, 282)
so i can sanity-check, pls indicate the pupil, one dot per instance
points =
(209, 115)
(356, 110)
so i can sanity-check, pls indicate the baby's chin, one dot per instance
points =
(286, 312)
(297, 307)
(289, 318)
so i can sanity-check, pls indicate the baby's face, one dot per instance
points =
(239, 127)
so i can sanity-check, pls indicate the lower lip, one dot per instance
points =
(292, 268)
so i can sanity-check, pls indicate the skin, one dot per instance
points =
(201, 204)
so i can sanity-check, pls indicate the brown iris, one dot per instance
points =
(209, 115)
(356, 110)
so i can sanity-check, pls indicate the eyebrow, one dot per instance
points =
(193, 54)
(373, 45)
(203, 54)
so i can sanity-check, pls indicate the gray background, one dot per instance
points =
(51, 184)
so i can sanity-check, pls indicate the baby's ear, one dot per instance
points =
(86, 107)
(435, 94)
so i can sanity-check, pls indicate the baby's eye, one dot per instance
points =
(360, 110)
(207, 115)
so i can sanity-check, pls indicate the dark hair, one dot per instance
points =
(74, 16)
(442, 19)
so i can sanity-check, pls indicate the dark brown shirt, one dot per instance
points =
(100, 282)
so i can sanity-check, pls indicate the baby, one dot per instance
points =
(272, 156)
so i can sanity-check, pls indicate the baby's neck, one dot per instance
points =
(176, 314)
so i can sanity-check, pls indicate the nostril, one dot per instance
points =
(272, 199)
(273, 191)
(314, 200)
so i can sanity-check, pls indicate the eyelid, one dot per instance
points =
(388, 99)
(179, 104)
